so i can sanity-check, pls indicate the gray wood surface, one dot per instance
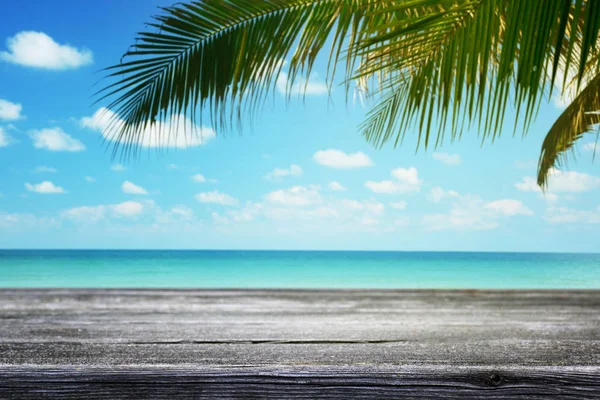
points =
(113, 344)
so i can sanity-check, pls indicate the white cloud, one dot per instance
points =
(44, 168)
(128, 208)
(55, 139)
(26, 221)
(172, 166)
(559, 181)
(549, 197)
(178, 133)
(85, 214)
(199, 178)
(10, 111)
(118, 167)
(216, 197)
(338, 159)
(182, 211)
(90, 179)
(528, 184)
(437, 194)
(408, 176)
(448, 159)
(509, 207)
(38, 50)
(295, 196)
(93, 214)
(564, 215)
(398, 205)
(373, 206)
(469, 212)
(278, 173)
(45, 187)
(407, 181)
(336, 186)
(314, 86)
(131, 188)
(5, 138)
(304, 209)
(382, 186)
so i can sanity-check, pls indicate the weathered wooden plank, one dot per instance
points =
(299, 382)
(298, 343)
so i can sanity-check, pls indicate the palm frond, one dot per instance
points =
(579, 118)
(221, 56)
(482, 57)
(433, 64)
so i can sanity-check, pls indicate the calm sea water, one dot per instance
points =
(295, 269)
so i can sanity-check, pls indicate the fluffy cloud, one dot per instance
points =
(295, 196)
(448, 159)
(55, 139)
(336, 186)
(278, 173)
(128, 209)
(44, 168)
(182, 211)
(131, 188)
(398, 205)
(334, 158)
(528, 184)
(509, 207)
(26, 221)
(374, 207)
(46, 187)
(559, 181)
(183, 132)
(304, 208)
(85, 214)
(10, 111)
(118, 167)
(314, 86)
(93, 214)
(90, 179)
(216, 197)
(437, 194)
(199, 178)
(469, 212)
(565, 215)
(5, 138)
(38, 50)
(406, 181)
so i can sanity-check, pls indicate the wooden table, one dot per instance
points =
(113, 344)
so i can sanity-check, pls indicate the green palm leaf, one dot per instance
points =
(579, 118)
(223, 56)
(433, 65)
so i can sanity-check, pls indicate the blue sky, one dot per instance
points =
(301, 178)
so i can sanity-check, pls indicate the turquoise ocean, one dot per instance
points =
(296, 269)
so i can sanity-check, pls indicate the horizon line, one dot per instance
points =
(296, 250)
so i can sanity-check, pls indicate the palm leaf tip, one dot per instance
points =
(580, 117)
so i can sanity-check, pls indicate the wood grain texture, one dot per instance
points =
(114, 344)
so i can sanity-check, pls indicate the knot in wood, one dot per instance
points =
(495, 379)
